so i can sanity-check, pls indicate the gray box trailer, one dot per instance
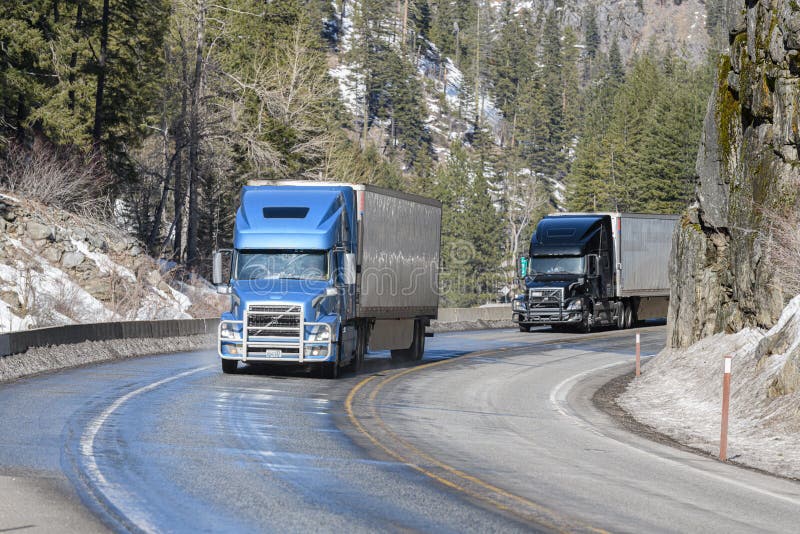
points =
(398, 256)
(642, 244)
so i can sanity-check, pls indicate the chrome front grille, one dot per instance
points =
(545, 298)
(274, 321)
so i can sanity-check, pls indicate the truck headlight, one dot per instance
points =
(229, 333)
(518, 305)
(575, 305)
(322, 335)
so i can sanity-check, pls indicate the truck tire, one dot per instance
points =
(587, 323)
(361, 347)
(621, 307)
(416, 350)
(229, 366)
(628, 316)
(329, 370)
(357, 363)
(524, 327)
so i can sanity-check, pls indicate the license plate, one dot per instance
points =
(536, 293)
(272, 354)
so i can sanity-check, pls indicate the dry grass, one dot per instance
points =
(71, 181)
(783, 244)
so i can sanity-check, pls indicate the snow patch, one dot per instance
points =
(680, 395)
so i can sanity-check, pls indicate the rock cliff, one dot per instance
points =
(637, 25)
(747, 168)
(58, 268)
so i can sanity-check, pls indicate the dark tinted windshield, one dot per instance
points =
(294, 264)
(557, 265)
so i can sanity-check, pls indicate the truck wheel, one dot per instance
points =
(621, 315)
(628, 314)
(229, 366)
(357, 363)
(329, 370)
(524, 327)
(587, 322)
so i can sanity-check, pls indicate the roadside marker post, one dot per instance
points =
(726, 397)
(638, 354)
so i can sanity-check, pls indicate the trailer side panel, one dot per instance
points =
(645, 243)
(399, 255)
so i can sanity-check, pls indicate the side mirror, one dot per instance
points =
(216, 272)
(349, 274)
(522, 267)
(593, 269)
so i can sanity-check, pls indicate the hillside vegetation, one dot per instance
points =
(504, 110)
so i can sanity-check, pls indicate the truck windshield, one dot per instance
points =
(557, 265)
(293, 264)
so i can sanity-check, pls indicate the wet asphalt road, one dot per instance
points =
(502, 441)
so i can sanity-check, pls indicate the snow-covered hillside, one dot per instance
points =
(57, 268)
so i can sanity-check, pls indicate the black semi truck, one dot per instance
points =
(586, 270)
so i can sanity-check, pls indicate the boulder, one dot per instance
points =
(118, 245)
(153, 278)
(71, 260)
(37, 231)
(52, 254)
(97, 241)
(7, 212)
(135, 251)
(11, 298)
(99, 288)
(79, 233)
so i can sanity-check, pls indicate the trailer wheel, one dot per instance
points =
(524, 327)
(229, 366)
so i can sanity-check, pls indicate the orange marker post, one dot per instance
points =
(638, 355)
(726, 397)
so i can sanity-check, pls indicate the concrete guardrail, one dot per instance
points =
(19, 342)
(472, 315)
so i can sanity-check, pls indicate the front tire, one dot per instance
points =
(329, 370)
(229, 366)
(524, 327)
(357, 363)
(587, 323)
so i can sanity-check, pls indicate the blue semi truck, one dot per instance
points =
(321, 272)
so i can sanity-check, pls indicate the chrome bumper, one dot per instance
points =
(247, 348)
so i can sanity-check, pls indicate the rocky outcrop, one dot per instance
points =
(747, 169)
(59, 268)
(637, 25)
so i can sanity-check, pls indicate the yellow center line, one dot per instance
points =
(372, 397)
